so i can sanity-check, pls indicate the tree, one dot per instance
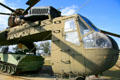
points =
(45, 47)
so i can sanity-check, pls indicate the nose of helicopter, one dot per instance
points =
(99, 60)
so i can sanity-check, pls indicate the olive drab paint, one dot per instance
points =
(78, 48)
(66, 56)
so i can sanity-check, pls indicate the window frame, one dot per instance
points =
(82, 20)
(77, 30)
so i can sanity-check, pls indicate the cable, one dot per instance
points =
(84, 4)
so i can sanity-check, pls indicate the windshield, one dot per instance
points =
(89, 23)
(83, 28)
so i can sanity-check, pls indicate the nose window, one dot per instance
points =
(90, 24)
(83, 28)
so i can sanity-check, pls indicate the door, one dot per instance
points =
(69, 45)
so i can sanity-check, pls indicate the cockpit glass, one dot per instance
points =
(70, 25)
(90, 24)
(71, 34)
(83, 28)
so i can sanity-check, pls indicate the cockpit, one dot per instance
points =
(81, 29)
(89, 23)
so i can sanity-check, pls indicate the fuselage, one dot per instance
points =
(80, 48)
(77, 46)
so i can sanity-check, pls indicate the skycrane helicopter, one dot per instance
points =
(78, 47)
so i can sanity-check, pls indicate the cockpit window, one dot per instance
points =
(70, 25)
(72, 37)
(83, 28)
(90, 24)
(71, 34)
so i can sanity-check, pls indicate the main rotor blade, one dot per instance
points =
(7, 7)
(5, 13)
(109, 33)
(31, 3)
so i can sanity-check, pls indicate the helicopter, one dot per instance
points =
(78, 47)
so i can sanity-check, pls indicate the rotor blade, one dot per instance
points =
(7, 7)
(31, 3)
(5, 13)
(109, 33)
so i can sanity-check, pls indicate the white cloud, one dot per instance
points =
(69, 10)
(3, 18)
(2, 1)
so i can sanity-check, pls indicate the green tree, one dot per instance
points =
(45, 47)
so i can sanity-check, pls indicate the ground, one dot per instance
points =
(111, 74)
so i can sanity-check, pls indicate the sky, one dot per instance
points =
(104, 14)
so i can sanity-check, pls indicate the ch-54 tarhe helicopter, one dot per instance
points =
(78, 48)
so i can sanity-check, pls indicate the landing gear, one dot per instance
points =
(81, 78)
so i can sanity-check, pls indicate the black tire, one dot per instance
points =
(80, 78)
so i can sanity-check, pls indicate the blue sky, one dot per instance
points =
(105, 14)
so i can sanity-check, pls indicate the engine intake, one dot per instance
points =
(42, 13)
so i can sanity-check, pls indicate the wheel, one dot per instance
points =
(8, 69)
(80, 78)
(2, 67)
(12, 70)
(5, 68)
